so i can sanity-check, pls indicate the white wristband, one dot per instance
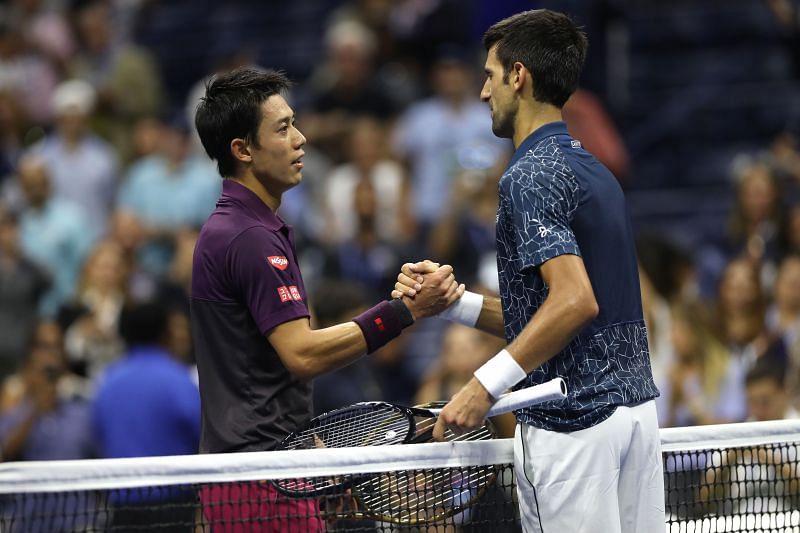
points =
(500, 373)
(466, 310)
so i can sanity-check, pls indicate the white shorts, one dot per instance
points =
(605, 479)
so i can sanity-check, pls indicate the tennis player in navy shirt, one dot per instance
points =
(256, 351)
(569, 305)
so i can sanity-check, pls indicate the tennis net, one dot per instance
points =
(732, 478)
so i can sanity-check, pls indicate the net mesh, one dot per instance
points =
(736, 478)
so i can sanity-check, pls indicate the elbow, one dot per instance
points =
(583, 309)
(300, 366)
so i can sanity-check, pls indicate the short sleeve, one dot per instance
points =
(542, 205)
(262, 270)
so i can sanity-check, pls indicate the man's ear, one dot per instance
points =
(240, 151)
(521, 77)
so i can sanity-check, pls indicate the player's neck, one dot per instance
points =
(531, 116)
(272, 200)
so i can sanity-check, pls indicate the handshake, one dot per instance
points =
(427, 288)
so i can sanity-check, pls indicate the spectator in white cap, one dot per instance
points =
(83, 167)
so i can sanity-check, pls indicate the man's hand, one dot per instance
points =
(437, 291)
(465, 411)
(410, 279)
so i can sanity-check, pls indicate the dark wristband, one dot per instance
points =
(383, 322)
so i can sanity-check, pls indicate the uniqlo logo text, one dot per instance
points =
(379, 323)
(284, 294)
(295, 293)
(278, 261)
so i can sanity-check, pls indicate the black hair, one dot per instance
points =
(549, 44)
(231, 109)
(143, 323)
(767, 368)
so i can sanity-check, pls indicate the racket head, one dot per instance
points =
(361, 424)
(418, 497)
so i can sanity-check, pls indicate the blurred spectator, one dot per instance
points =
(147, 405)
(164, 419)
(465, 234)
(791, 235)
(44, 29)
(45, 426)
(49, 335)
(125, 77)
(783, 316)
(754, 225)
(588, 122)
(784, 157)
(366, 258)
(345, 87)
(168, 191)
(22, 284)
(705, 385)
(92, 339)
(464, 349)
(443, 134)
(756, 218)
(767, 394)
(13, 127)
(783, 319)
(53, 233)
(667, 278)
(368, 161)
(658, 319)
(740, 313)
(395, 69)
(83, 167)
(421, 26)
(25, 73)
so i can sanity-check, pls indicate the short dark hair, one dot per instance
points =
(143, 322)
(549, 44)
(231, 108)
(767, 368)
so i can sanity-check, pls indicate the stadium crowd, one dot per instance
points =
(104, 186)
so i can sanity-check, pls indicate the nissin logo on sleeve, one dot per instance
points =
(278, 261)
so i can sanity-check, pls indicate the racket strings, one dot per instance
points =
(424, 495)
(373, 426)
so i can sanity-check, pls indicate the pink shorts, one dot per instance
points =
(257, 507)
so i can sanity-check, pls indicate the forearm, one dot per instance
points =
(323, 350)
(491, 318)
(550, 329)
(307, 353)
(15, 443)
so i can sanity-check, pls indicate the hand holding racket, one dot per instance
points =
(402, 497)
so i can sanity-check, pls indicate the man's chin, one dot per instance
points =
(502, 132)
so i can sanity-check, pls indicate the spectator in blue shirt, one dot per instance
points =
(147, 405)
(54, 233)
(168, 191)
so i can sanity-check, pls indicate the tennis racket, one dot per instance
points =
(403, 497)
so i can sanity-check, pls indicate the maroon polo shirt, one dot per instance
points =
(245, 281)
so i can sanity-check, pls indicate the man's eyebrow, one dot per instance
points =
(288, 119)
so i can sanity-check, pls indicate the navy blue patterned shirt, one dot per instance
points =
(555, 199)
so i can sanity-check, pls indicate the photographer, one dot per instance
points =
(45, 426)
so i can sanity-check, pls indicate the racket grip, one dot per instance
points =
(555, 389)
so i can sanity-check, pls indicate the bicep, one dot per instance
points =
(566, 274)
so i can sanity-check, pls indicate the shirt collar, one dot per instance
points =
(548, 130)
(147, 350)
(234, 191)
